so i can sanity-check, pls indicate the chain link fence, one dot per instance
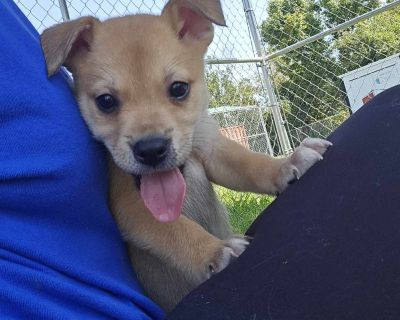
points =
(282, 70)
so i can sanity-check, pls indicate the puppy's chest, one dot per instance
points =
(201, 203)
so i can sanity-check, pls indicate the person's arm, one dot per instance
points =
(61, 254)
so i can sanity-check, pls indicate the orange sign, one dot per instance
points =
(236, 133)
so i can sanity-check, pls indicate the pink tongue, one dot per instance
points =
(163, 194)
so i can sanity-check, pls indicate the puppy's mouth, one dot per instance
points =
(163, 193)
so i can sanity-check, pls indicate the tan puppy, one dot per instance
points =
(141, 89)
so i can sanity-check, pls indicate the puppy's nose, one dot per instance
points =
(151, 151)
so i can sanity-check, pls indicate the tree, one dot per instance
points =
(306, 76)
(289, 21)
(371, 40)
(307, 79)
(338, 11)
(225, 92)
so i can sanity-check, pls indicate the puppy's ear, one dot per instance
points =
(192, 19)
(64, 41)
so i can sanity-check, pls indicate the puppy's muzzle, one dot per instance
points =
(151, 151)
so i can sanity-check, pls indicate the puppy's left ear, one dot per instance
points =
(192, 19)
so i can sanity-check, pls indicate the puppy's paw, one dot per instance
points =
(233, 248)
(221, 255)
(303, 158)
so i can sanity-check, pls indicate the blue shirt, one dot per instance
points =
(61, 255)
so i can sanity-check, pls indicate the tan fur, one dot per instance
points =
(136, 58)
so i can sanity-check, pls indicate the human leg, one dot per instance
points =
(328, 247)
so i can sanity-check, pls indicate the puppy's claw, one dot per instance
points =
(296, 173)
(211, 268)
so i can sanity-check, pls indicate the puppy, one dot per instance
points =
(140, 84)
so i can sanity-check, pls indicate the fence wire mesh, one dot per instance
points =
(316, 86)
(315, 95)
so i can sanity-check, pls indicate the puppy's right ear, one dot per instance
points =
(65, 41)
(193, 19)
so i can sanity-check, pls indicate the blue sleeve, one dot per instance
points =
(61, 255)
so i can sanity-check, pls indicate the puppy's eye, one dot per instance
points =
(107, 103)
(179, 90)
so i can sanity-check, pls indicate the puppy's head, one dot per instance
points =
(139, 79)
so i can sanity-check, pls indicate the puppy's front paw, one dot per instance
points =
(221, 255)
(303, 158)
(232, 249)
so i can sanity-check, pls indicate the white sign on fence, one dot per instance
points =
(366, 82)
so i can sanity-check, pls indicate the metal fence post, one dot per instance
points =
(64, 10)
(276, 112)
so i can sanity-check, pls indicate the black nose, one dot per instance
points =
(151, 151)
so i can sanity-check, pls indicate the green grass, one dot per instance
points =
(243, 208)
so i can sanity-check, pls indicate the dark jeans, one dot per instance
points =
(329, 247)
